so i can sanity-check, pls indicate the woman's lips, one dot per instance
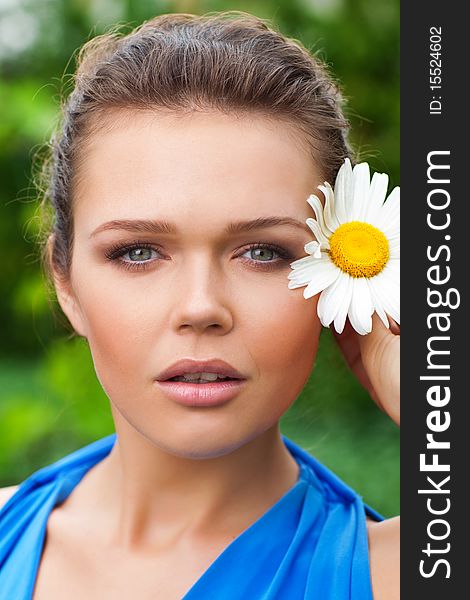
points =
(201, 394)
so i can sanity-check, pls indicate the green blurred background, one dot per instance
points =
(50, 400)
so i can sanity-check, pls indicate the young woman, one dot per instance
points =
(178, 183)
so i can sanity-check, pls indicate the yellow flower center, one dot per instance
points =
(359, 249)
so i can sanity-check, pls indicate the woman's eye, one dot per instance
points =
(262, 253)
(137, 256)
(140, 256)
(267, 256)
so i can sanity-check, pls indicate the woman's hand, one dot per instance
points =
(375, 360)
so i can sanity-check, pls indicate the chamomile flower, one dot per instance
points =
(354, 260)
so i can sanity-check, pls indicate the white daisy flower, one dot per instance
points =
(355, 259)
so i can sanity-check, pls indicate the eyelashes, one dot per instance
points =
(115, 253)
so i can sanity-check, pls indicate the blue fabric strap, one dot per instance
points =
(311, 544)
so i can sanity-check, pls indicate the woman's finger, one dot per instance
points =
(381, 357)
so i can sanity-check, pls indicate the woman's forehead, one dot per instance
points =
(198, 163)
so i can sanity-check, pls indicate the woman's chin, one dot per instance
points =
(201, 445)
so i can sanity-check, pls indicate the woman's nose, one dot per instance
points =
(201, 303)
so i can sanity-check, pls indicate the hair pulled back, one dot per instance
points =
(231, 61)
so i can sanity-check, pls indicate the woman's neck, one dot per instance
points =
(143, 496)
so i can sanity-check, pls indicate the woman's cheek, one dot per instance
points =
(287, 335)
(115, 340)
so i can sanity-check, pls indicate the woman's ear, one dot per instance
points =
(65, 295)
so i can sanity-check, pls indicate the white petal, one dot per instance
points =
(377, 194)
(387, 292)
(301, 262)
(302, 275)
(340, 318)
(306, 262)
(317, 206)
(392, 271)
(299, 279)
(330, 301)
(329, 213)
(361, 308)
(318, 232)
(394, 247)
(360, 198)
(313, 248)
(378, 306)
(392, 226)
(389, 218)
(324, 275)
(343, 190)
(305, 269)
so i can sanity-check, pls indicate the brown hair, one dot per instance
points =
(230, 61)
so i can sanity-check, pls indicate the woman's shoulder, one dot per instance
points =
(54, 481)
(384, 555)
(6, 493)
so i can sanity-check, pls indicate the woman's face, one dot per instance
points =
(201, 291)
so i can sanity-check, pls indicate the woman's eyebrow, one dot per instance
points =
(156, 226)
(261, 222)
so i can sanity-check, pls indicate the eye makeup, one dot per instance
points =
(116, 252)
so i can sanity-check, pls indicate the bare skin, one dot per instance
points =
(182, 483)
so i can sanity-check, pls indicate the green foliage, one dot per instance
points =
(50, 399)
(335, 421)
(49, 408)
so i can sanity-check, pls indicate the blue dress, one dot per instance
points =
(311, 544)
